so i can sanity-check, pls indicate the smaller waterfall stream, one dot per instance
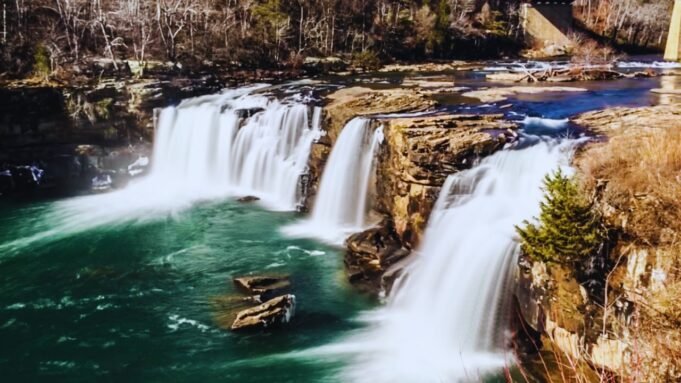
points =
(342, 201)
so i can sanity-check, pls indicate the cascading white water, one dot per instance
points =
(445, 319)
(205, 149)
(342, 201)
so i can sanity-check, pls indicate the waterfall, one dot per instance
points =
(234, 143)
(445, 321)
(342, 201)
(206, 148)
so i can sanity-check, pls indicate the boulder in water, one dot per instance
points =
(248, 199)
(275, 312)
(263, 286)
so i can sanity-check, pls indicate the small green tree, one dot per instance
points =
(568, 229)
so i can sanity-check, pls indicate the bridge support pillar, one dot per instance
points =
(673, 51)
(547, 23)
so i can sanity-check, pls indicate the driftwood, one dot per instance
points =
(574, 73)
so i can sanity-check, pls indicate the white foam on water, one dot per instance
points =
(540, 122)
(653, 65)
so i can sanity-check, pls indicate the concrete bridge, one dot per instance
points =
(547, 23)
(673, 51)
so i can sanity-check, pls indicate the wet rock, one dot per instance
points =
(27, 177)
(275, 312)
(395, 273)
(248, 199)
(264, 287)
(247, 113)
(371, 252)
(102, 182)
(508, 77)
(139, 167)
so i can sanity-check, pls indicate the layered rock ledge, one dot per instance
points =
(346, 104)
(419, 152)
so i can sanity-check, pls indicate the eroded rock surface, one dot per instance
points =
(613, 122)
(275, 312)
(631, 176)
(417, 156)
(263, 286)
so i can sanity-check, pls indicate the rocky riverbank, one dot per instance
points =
(627, 329)
(85, 136)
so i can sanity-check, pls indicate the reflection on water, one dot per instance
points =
(672, 85)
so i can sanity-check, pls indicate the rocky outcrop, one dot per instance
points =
(427, 67)
(248, 199)
(275, 312)
(371, 253)
(613, 122)
(417, 156)
(630, 175)
(263, 287)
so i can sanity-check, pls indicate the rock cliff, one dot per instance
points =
(417, 155)
(630, 329)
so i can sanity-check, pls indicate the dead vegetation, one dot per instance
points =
(637, 173)
(635, 177)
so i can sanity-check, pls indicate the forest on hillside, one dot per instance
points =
(56, 34)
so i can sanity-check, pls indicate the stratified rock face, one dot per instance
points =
(348, 103)
(617, 121)
(371, 253)
(275, 312)
(419, 154)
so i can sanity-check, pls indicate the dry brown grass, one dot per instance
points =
(656, 330)
(638, 174)
(635, 177)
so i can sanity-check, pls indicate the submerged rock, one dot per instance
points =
(275, 312)
(248, 198)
